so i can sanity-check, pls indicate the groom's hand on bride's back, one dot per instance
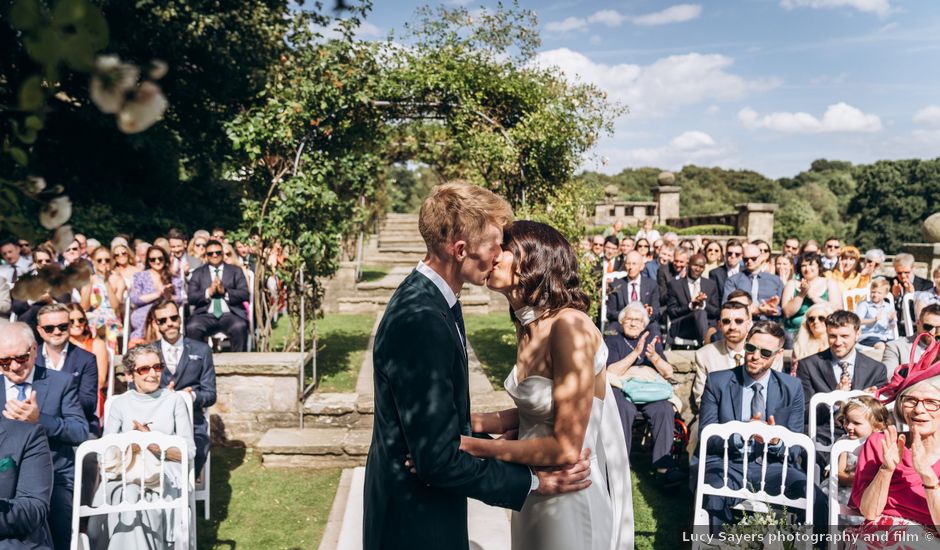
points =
(565, 479)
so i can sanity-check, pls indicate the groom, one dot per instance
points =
(422, 396)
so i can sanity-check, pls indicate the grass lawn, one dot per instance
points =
(659, 516)
(253, 507)
(343, 340)
(370, 273)
(492, 336)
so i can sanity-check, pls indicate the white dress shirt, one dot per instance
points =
(172, 353)
(441, 285)
(214, 275)
(837, 370)
(60, 363)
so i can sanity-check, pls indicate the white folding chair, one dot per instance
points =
(181, 504)
(608, 278)
(837, 508)
(851, 298)
(746, 430)
(907, 312)
(127, 323)
(251, 311)
(202, 487)
(829, 399)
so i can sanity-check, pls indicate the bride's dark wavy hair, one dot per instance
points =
(548, 271)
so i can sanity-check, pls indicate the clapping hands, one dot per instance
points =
(25, 411)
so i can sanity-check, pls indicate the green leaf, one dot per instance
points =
(44, 46)
(69, 12)
(34, 122)
(31, 96)
(25, 14)
(94, 27)
(19, 156)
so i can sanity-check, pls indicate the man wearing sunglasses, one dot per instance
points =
(840, 367)
(905, 281)
(898, 352)
(38, 395)
(765, 288)
(218, 293)
(189, 368)
(831, 253)
(56, 353)
(753, 392)
(731, 267)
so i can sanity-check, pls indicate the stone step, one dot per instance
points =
(398, 241)
(314, 447)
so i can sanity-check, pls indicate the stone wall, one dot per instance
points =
(256, 392)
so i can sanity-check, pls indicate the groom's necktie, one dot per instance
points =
(458, 316)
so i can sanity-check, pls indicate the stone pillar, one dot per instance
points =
(667, 200)
(924, 253)
(756, 220)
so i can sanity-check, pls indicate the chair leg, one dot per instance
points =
(206, 478)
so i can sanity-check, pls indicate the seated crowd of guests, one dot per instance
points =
(205, 275)
(55, 399)
(769, 333)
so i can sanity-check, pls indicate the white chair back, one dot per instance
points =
(202, 492)
(251, 311)
(851, 298)
(837, 508)
(746, 430)
(829, 399)
(608, 278)
(181, 527)
(127, 323)
(907, 313)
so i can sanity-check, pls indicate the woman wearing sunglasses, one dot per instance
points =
(103, 297)
(643, 247)
(82, 335)
(714, 257)
(123, 263)
(811, 337)
(150, 285)
(148, 408)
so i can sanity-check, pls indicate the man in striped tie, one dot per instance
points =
(219, 294)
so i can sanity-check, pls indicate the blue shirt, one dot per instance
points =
(882, 329)
(747, 395)
(768, 285)
(651, 269)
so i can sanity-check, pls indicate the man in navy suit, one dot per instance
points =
(732, 266)
(56, 353)
(25, 482)
(38, 395)
(189, 368)
(218, 292)
(753, 392)
(632, 288)
(839, 367)
(693, 303)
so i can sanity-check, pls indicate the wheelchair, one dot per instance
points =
(643, 438)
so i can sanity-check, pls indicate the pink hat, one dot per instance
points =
(911, 373)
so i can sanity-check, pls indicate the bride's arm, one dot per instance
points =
(572, 344)
(498, 422)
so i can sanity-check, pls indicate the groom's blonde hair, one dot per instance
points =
(460, 210)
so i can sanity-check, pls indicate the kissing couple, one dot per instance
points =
(560, 461)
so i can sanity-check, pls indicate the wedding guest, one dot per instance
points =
(27, 493)
(217, 293)
(811, 289)
(609, 258)
(764, 248)
(840, 367)
(906, 282)
(783, 268)
(145, 407)
(673, 271)
(663, 258)
(812, 338)
(647, 232)
(898, 352)
(734, 322)
(791, 249)
(637, 354)
(810, 247)
(830, 256)
(849, 273)
(149, 286)
(643, 247)
(765, 288)
(879, 320)
(634, 288)
(874, 259)
(16, 263)
(925, 298)
(81, 336)
(714, 257)
(124, 264)
(102, 298)
(732, 266)
(693, 303)
(597, 247)
(42, 396)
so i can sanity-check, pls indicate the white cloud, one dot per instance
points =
(712, 110)
(566, 25)
(690, 147)
(840, 117)
(880, 7)
(674, 14)
(928, 116)
(610, 18)
(595, 39)
(663, 86)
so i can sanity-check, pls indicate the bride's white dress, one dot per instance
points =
(597, 518)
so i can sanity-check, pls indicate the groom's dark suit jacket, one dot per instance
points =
(422, 407)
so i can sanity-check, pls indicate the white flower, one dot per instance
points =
(111, 82)
(56, 212)
(158, 69)
(35, 184)
(143, 111)
(63, 238)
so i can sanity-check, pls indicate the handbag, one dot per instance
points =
(641, 392)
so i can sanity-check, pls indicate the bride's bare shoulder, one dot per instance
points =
(574, 325)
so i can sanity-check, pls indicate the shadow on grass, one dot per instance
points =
(661, 515)
(339, 357)
(224, 461)
(493, 338)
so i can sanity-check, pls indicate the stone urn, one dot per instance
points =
(931, 228)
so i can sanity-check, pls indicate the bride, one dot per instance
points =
(563, 401)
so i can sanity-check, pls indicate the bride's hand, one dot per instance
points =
(511, 434)
(467, 445)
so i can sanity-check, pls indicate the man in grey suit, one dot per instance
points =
(840, 367)
(898, 352)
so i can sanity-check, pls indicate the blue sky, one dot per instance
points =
(768, 85)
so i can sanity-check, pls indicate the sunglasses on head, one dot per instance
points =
(49, 329)
(5, 362)
(164, 320)
(765, 353)
(212, 253)
(727, 321)
(144, 370)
